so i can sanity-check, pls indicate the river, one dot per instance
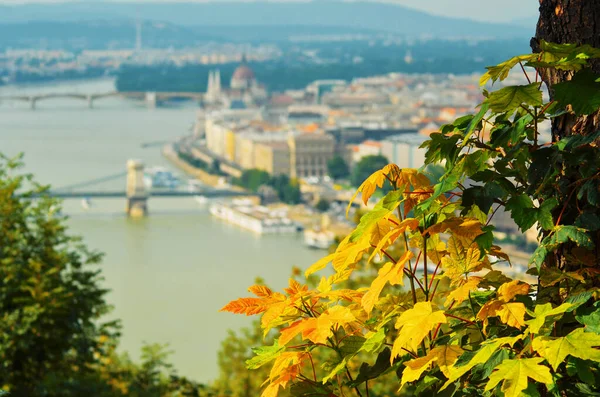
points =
(170, 273)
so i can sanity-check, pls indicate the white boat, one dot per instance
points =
(201, 199)
(318, 239)
(86, 203)
(254, 218)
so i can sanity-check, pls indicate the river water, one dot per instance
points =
(169, 273)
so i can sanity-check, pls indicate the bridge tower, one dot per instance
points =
(32, 101)
(90, 101)
(137, 196)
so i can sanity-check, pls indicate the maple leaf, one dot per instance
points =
(382, 228)
(317, 329)
(349, 255)
(444, 356)
(252, 306)
(320, 264)
(390, 273)
(514, 374)
(393, 234)
(413, 325)
(261, 291)
(578, 344)
(461, 260)
(411, 199)
(542, 312)
(508, 291)
(264, 355)
(295, 289)
(276, 310)
(377, 179)
(512, 314)
(481, 357)
(461, 293)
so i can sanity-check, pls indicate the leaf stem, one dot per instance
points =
(352, 380)
(524, 72)
(313, 366)
(426, 291)
(475, 316)
(461, 319)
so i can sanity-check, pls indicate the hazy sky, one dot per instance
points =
(490, 10)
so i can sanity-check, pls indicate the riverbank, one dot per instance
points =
(216, 181)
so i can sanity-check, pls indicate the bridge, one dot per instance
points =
(164, 193)
(150, 98)
(136, 191)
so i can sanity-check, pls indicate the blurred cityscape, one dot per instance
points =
(269, 128)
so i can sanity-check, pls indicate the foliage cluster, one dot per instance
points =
(288, 190)
(53, 337)
(337, 168)
(460, 327)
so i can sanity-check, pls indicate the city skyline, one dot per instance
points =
(512, 10)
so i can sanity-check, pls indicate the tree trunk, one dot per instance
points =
(569, 21)
(576, 22)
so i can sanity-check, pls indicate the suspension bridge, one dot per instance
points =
(150, 98)
(137, 192)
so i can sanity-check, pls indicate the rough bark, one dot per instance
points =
(576, 22)
(569, 21)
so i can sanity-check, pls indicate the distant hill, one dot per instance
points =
(323, 13)
(97, 34)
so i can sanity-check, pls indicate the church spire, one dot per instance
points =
(211, 87)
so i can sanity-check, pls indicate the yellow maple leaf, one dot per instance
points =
(411, 177)
(377, 179)
(411, 199)
(512, 314)
(413, 325)
(461, 293)
(463, 258)
(381, 229)
(514, 374)
(392, 273)
(443, 356)
(349, 255)
(317, 329)
(393, 235)
(320, 264)
(508, 291)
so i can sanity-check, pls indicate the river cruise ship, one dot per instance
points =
(258, 219)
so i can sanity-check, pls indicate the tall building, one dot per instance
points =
(309, 154)
(244, 90)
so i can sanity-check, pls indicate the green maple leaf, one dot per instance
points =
(582, 92)
(563, 233)
(590, 318)
(508, 99)
(264, 355)
(515, 374)
(522, 211)
(500, 71)
(578, 344)
(542, 312)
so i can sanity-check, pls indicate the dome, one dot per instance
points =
(243, 72)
